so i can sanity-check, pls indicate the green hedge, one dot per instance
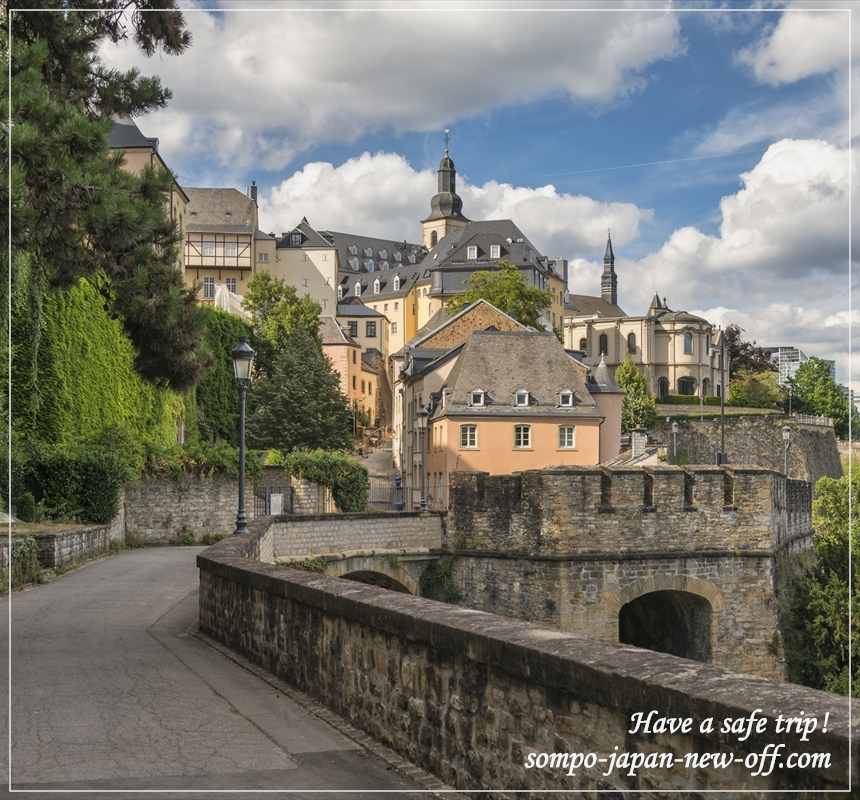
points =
(200, 458)
(687, 400)
(336, 469)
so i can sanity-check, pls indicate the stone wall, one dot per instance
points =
(467, 694)
(756, 440)
(300, 536)
(311, 498)
(68, 547)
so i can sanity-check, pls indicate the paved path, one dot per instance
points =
(109, 691)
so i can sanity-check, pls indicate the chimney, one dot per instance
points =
(254, 191)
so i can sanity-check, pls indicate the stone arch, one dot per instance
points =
(687, 385)
(379, 579)
(662, 387)
(706, 591)
(385, 571)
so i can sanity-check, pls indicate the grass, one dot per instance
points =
(694, 410)
(30, 528)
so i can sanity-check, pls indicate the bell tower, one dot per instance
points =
(446, 206)
(609, 280)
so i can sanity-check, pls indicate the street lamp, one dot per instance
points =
(674, 441)
(243, 360)
(421, 423)
(786, 443)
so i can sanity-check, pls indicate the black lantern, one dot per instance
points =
(243, 362)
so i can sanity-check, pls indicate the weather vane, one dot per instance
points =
(447, 138)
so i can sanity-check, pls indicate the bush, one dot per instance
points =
(25, 563)
(336, 469)
(688, 400)
(26, 507)
(201, 458)
(755, 390)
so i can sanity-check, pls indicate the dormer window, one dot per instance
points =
(396, 283)
(472, 252)
(521, 398)
(397, 256)
(383, 254)
(476, 398)
(353, 249)
(565, 399)
(369, 265)
(295, 239)
(376, 286)
(340, 292)
(353, 262)
(412, 258)
(357, 289)
(495, 251)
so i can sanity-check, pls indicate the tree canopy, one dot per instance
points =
(744, 355)
(506, 288)
(75, 212)
(815, 392)
(639, 409)
(755, 389)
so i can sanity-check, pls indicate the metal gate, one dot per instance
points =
(385, 493)
(273, 500)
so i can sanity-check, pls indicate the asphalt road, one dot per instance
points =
(110, 691)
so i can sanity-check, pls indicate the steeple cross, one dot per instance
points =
(447, 138)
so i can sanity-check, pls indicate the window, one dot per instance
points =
(370, 329)
(263, 258)
(521, 398)
(472, 252)
(469, 437)
(412, 258)
(353, 262)
(340, 292)
(688, 344)
(476, 398)
(397, 256)
(687, 386)
(522, 436)
(353, 250)
(368, 252)
(362, 387)
(631, 342)
(231, 284)
(231, 249)
(397, 306)
(369, 265)
(354, 359)
(495, 251)
(295, 239)
(396, 284)
(376, 286)
(434, 237)
(394, 327)
(353, 328)
(604, 344)
(209, 288)
(383, 254)
(707, 345)
(385, 307)
(353, 377)
(369, 387)
(566, 399)
(209, 248)
(566, 437)
(384, 265)
(583, 345)
(357, 289)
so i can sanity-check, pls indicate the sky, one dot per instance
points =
(714, 144)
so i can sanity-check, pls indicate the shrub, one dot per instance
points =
(201, 458)
(25, 562)
(755, 390)
(26, 507)
(688, 400)
(336, 469)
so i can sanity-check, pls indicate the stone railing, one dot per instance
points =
(811, 419)
(468, 694)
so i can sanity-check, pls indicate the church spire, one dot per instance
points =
(446, 206)
(609, 280)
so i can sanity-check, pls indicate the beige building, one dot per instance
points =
(510, 401)
(140, 152)
(678, 352)
(223, 242)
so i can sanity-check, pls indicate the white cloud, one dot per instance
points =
(261, 86)
(803, 43)
(383, 195)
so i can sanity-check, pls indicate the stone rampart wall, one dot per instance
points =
(467, 694)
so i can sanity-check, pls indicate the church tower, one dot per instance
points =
(446, 206)
(609, 280)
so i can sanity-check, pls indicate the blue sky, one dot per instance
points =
(338, 117)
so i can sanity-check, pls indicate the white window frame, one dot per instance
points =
(563, 432)
(235, 284)
(231, 249)
(472, 397)
(207, 283)
(263, 258)
(208, 248)
(472, 252)
(526, 441)
(376, 286)
(688, 337)
(517, 394)
(396, 283)
(394, 327)
(370, 329)
(469, 433)
(565, 399)
(495, 251)
(340, 292)
(357, 289)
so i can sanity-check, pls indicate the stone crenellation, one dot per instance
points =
(581, 510)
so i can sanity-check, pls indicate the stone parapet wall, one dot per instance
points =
(467, 694)
(576, 510)
(321, 534)
(60, 549)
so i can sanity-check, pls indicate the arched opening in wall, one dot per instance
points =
(687, 386)
(663, 387)
(434, 238)
(668, 621)
(376, 579)
(706, 387)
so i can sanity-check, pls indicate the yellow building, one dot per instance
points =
(223, 242)
(140, 152)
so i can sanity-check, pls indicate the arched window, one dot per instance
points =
(376, 286)
(663, 387)
(706, 387)
(631, 342)
(604, 344)
(357, 288)
(396, 283)
(686, 386)
(433, 238)
(688, 343)
(340, 292)
(583, 345)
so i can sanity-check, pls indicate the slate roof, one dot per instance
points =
(584, 305)
(310, 237)
(353, 307)
(332, 333)
(124, 134)
(502, 362)
(222, 210)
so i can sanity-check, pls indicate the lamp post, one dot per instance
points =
(421, 423)
(721, 456)
(674, 441)
(243, 360)
(786, 443)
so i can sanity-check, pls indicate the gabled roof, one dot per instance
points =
(452, 250)
(502, 362)
(586, 305)
(125, 135)
(310, 237)
(441, 320)
(353, 307)
(219, 209)
(331, 333)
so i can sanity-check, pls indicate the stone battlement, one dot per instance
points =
(580, 510)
